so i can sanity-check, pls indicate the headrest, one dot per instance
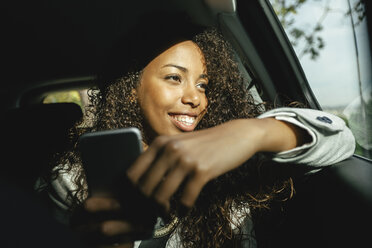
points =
(42, 127)
(54, 115)
(32, 135)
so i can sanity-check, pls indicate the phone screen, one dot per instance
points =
(106, 155)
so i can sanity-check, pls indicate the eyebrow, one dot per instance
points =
(204, 76)
(176, 66)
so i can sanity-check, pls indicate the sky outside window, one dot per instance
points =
(333, 75)
(331, 68)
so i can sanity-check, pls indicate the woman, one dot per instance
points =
(211, 152)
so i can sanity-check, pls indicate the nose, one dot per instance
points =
(191, 96)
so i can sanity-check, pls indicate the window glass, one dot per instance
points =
(79, 97)
(331, 41)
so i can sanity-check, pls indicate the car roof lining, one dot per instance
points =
(80, 60)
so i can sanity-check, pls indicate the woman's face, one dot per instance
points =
(172, 90)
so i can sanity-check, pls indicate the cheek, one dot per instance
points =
(157, 99)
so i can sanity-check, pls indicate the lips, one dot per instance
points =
(185, 122)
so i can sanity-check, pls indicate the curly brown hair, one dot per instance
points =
(254, 185)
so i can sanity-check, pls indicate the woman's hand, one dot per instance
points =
(99, 225)
(193, 159)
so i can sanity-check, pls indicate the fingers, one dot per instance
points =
(159, 170)
(170, 162)
(121, 233)
(107, 233)
(143, 162)
(173, 180)
(127, 245)
(182, 170)
(100, 227)
(163, 168)
(115, 227)
(98, 204)
(192, 189)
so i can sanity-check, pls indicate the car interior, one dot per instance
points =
(51, 46)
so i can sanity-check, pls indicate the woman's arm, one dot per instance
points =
(196, 158)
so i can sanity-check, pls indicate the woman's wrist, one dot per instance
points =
(252, 134)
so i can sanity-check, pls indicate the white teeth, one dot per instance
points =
(187, 120)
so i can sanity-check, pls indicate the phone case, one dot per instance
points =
(106, 155)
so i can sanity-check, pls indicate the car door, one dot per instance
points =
(332, 207)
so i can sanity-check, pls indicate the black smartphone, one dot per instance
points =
(106, 155)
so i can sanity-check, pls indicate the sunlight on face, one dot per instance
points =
(172, 90)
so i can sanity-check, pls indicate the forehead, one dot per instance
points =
(185, 54)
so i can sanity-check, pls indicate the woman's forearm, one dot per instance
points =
(272, 135)
(281, 136)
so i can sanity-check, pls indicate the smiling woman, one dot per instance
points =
(211, 153)
(172, 90)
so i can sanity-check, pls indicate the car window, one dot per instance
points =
(80, 97)
(331, 41)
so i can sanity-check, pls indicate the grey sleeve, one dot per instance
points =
(332, 141)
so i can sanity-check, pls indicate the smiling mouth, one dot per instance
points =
(185, 123)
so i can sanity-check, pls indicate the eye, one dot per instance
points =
(175, 78)
(202, 86)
